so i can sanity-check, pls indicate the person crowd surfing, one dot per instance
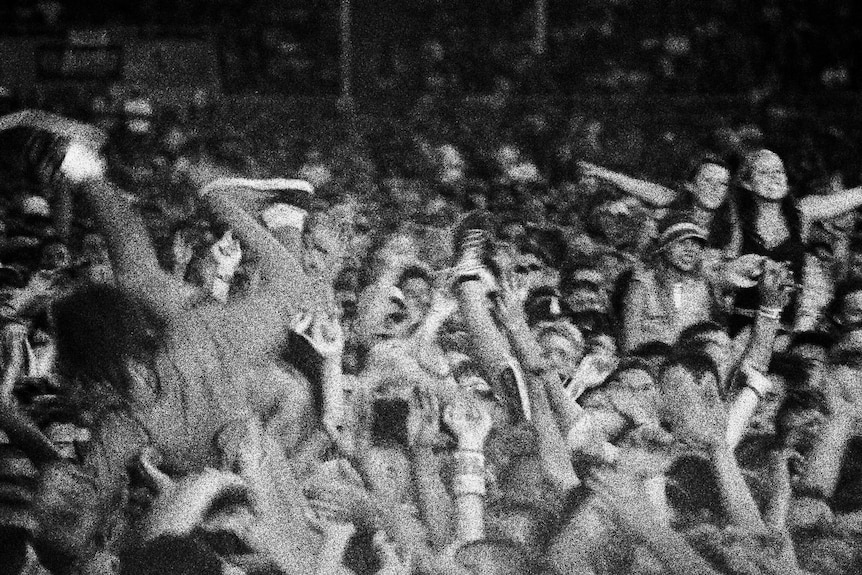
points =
(458, 392)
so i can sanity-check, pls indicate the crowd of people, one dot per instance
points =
(425, 347)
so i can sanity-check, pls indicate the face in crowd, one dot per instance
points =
(764, 175)
(710, 185)
(685, 254)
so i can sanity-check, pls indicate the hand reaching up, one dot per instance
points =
(227, 254)
(323, 333)
(468, 422)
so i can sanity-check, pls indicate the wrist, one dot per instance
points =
(771, 312)
(225, 274)
(471, 444)
(469, 484)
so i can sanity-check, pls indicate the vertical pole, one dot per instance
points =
(540, 37)
(346, 92)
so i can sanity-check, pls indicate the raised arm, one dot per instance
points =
(280, 269)
(471, 426)
(130, 247)
(629, 505)
(816, 207)
(649, 192)
(554, 453)
(754, 362)
(823, 465)
(435, 505)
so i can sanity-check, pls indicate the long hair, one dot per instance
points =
(99, 330)
(725, 220)
(745, 200)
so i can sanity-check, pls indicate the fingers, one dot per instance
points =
(303, 322)
(156, 479)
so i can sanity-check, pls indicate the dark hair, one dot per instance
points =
(847, 358)
(414, 272)
(792, 368)
(698, 330)
(548, 246)
(515, 558)
(360, 555)
(747, 214)
(170, 555)
(694, 361)
(843, 290)
(98, 328)
(798, 399)
(592, 323)
(652, 349)
(818, 338)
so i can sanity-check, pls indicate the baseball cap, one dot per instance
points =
(679, 227)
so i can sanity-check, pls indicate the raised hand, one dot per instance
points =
(227, 255)
(772, 285)
(513, 294)
(82, 163)
(322, 332)
(744, 270)
(468, 422)
(393, 562)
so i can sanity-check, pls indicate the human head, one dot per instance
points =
(762, 173)
(680, 243)
(415, 284)
(653, 354)
(811, 346)
(709, 182)
(800, 418)
(101, 332)
(583, 288)
(711, 339)
(846, 312)
(55, 255)
(563, 347)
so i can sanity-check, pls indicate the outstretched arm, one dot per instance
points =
(649, 192)
(816, 207)
(130, 247)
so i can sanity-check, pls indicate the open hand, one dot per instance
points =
(322, 332)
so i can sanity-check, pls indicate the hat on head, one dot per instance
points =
(679, 227)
